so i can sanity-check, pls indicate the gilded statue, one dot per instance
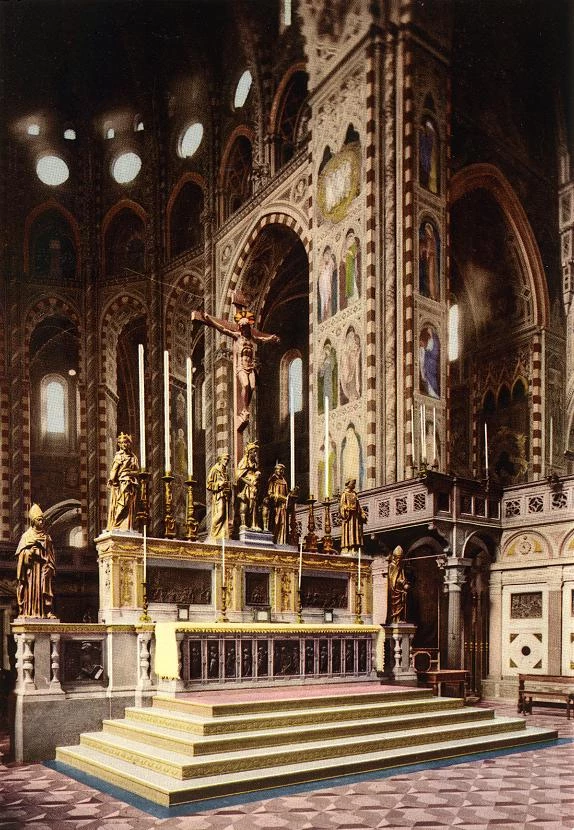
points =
(353, 517)
(275, 505)
(398, 587)
(36, 569)
(247, 476)
(245, 338)
(219, 486)
(123, 483)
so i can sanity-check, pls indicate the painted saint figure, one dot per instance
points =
(327, 285)
(124, 486)
(36, 569)
(219, 486)
(245, 338)
(429, 285)
(247, 477)
(353, 518)
(275, 505)
(327, 378)
(429, 362)
(350, 374)
(398, 587)
(350, 270)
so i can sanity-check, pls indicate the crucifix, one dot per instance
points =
(245, 340)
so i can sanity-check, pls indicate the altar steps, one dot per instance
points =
(156, 754)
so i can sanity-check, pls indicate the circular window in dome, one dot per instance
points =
(242, 89)
(126, 167)
(52, 170)
(190, 140)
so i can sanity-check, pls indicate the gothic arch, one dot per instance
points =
(278, 99)
(115, 210)
(119, 311)
(46, 207)
(489, 178)
(40, 311)
(267, 219)
(194, 178)
(187, 291)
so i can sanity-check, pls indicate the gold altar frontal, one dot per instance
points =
(184, 581)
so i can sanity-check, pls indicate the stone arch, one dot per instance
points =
(186, 178)
(115, 210)
(118, 312)
(187, 290)
(522, 546)
(41, 310)
(278, 99)
(489, 178)
(278, 217)
(45, 207)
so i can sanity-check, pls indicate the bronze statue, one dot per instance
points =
(219, 486)
(124, 486)
(245, 338)
(36, 569)
(353, 518)
(247, 477)
(398, 587)
(275, 505)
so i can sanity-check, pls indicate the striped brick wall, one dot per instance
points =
(409, 137)
(537, 407)
(372, 160)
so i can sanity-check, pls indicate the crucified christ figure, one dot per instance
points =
(245, 338)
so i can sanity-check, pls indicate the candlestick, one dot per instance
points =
(434, 455)
(551, 448)
(300, 562)
(292, 446)
(486, 448)
(166, 426)
(223, 561)
(189, 391)
(359, 574)
(144, 554)
(168, 517)
(141, 405)
(326, 455)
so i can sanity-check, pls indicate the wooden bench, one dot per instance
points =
(544, 688)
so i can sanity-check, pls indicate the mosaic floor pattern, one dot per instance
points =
(520, 789)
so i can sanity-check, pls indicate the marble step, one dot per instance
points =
(171, 737)
(175, 717)
(168, 791)
(183, 767)
(226, 708)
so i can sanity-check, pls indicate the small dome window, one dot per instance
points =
(190, 140)
(242, 89)
(126, 167)
(110, 133)
(70, 135)
(139, 128)
(33, 129)
(52, 170)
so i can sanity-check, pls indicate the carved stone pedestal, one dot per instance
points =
(398, 666)
(255, 538)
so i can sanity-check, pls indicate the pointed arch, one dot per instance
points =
(35, 213)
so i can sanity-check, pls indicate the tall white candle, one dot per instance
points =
(145, 553)
(551, 442)
(424, 432)
(292, 446)
(189, 391)
(486, 448)
(300, 562)
(223, 560)
(359, 574)
(434, 455)
(421, 431)
(141, 404)
(326, 399)
(166, 425)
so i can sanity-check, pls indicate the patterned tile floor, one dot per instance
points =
(520, 789)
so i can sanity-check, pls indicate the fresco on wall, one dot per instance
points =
(429, 362)
(428, 156)
(52, 248)
(327, 285)
(350, 270)
(350, 371)
(429, 261)
(327, 385)
(332, 469)
(352, 458)
(339, 182)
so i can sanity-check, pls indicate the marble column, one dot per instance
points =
(495, 633)
(454, 578)
(380, 572)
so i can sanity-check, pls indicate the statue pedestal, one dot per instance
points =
(399, 668)
(255, 538)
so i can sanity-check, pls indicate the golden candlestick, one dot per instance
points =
(168, 517)
(191, 523)
(144, 616)
(328, 546)
(358, 607)
(299, 607)
(224, 591)
(142, 514)
(311, 540)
